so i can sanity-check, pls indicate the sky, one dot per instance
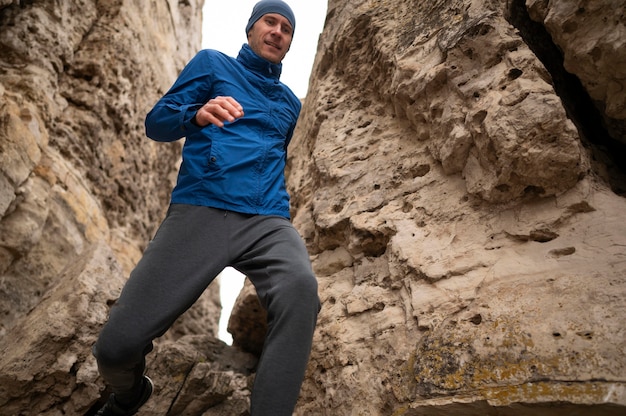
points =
(223, 28)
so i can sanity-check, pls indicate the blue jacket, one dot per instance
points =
(239, 167)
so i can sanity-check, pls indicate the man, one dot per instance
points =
(230, 207)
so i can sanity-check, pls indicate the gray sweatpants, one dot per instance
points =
(192, 246)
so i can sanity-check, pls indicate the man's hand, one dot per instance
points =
(218, 110)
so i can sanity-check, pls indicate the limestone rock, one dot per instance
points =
(46, 361)
(248, 321)
(592, 37)
(468, 240)
(199, 375)
(82, 191)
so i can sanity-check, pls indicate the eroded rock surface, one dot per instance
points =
(81, 192)
(469, 246)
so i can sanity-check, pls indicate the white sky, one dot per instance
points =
(224, 27)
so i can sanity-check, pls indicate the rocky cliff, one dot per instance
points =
(81, 188)
(457, 174)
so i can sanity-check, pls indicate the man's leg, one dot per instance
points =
(277, 263)
(188, 251)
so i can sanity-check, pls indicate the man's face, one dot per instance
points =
(270, 37)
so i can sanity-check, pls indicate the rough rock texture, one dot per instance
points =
(457, 174)
(466, 225)
(81, 192)
(248, 321)
(46, 360)
(77, 80)
(592, 36)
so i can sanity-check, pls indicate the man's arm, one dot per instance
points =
(189, 106)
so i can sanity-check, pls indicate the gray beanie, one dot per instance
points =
(271, 6)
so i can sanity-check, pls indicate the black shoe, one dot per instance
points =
(113, 408)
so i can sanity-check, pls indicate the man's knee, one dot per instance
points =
(116, 351)
(303, 283)
(300, 293)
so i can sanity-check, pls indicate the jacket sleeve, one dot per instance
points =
(170, 118)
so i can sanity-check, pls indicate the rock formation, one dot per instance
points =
(457, 174)
(465, 220)
(82, 189)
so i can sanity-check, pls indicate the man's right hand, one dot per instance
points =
(217, 111)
